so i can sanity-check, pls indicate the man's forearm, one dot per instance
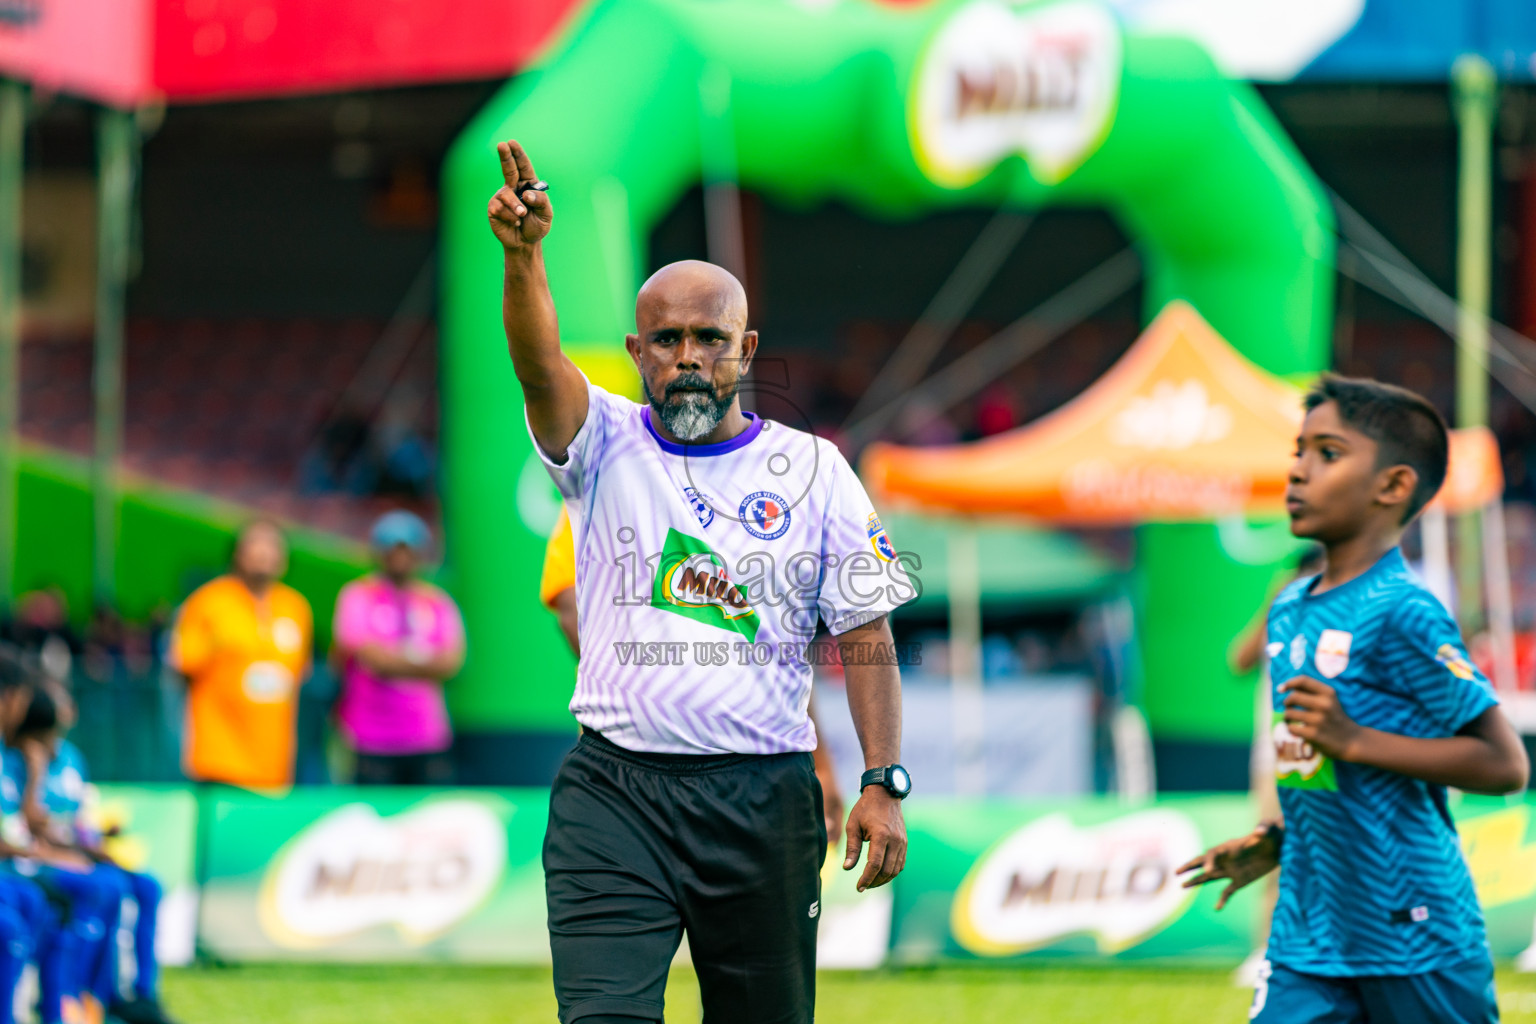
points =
(528, 314)
(874, 692)
(553, 389)
(1471, 763)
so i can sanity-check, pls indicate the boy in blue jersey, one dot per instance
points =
(1378, 711)
(56, 784)
(34, 922)
(93, 900)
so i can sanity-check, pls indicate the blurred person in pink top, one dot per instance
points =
(397, 640)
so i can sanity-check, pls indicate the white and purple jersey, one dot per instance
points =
(701, 571)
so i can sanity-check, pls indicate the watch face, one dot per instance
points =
(901, 782)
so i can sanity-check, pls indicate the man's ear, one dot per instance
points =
(1395, 485)
(748, 350)
(632, 346)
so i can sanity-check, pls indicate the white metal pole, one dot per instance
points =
(1435, 531)
(967, 702)
(1501, 604)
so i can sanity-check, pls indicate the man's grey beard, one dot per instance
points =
(696, 411)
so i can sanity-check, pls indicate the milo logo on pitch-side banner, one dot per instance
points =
(1051, 879)
(422, 871)
(693, 581)
(1298, 765)
(1042, 83)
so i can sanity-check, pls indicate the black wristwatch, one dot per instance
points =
(893, 778)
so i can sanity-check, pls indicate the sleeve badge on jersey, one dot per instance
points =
(1332, 654)
(1452, 658)
(880, 540)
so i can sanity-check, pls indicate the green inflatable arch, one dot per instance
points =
(897, 110)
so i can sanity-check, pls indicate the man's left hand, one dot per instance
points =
(876, 819)
(1313, 713)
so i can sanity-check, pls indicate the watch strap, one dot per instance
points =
(874, 776)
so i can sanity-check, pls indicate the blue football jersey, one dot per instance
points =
(1372, 878)
(64, 788)
(13, 784)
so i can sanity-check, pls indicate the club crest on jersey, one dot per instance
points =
(1298, 651)
(1452, 658)
(880, 540)
(1332, 655)
(693, 581)
(702, 507)
(764, 514)
(1272, 650)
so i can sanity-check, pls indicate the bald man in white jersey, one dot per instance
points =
(709, 544)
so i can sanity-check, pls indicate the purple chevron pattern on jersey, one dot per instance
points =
(1372, 878)
(701, 574)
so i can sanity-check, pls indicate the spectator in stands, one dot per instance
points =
(398, 639)
(339, 458)
(52, 806)
(243, 641)
(41, 629)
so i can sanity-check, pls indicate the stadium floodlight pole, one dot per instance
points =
(13, 113)
(1476, 97)
(116, 145)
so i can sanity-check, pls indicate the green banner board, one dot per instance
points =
(454, 875)
(382, 874)
(153, 829)
(1087, 878)
(1095, 879)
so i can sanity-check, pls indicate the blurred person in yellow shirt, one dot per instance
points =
(244, 642)
(557, 585)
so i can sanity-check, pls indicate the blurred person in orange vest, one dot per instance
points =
(557, 592)
(244, 642)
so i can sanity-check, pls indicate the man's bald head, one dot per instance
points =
(691, 346)
(692, 287)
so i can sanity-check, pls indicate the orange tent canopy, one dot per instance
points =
(1181, 428)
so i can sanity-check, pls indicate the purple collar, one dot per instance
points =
(741, 440)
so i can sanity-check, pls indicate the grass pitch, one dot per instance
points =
(323, 994)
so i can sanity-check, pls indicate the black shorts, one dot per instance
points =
(641, 847)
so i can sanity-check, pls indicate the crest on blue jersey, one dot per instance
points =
(880, 540)
(702, 506)
(1452, 658)
(765, 515)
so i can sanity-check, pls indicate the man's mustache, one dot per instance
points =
(689, 382)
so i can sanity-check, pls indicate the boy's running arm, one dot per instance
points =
(1485, 755)
(553, 389)
(1238, 861)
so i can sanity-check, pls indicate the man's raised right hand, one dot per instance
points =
(518, 220)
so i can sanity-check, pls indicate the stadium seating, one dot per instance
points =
(233, 408)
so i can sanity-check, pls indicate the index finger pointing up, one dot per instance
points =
(515, 165)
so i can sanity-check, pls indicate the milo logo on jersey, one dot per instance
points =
(1297, 764)
(691, 580)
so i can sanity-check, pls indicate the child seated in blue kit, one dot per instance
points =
(56, 778)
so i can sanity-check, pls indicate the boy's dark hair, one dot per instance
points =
(1408, 431)
(13, 669)
(42, 715)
